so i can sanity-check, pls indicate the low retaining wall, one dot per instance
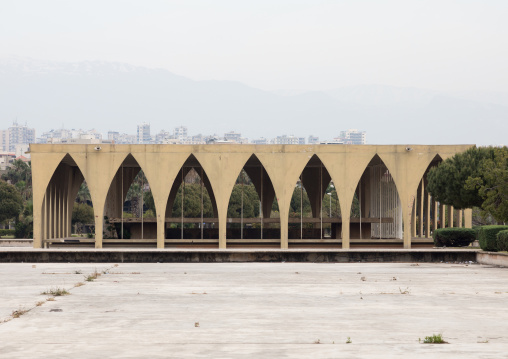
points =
(16, 242)
(210, 256)
(492, 258)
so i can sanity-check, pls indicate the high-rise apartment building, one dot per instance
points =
(4, 140)
(20, 135)
(144, 133)
(288, 140)
(313, 140)
(260, 141)
(180, 133)
(113, 136)
(353, 137)
(233, 136)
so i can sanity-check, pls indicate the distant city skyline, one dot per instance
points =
(17, 138)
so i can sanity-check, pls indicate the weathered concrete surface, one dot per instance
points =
(492, 258)
(143, 255)
(255, 310)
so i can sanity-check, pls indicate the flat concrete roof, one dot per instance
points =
(254, 310)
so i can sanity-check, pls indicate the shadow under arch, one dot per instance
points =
(311, 219)
(59, 199)
(253, 208)
(127, 212)
(191, 211)
(376, 211)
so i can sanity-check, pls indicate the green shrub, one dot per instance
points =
(502, 240)
(476, 230)
(488, 237)
(24, 230)
(6, 232)
(453, 237)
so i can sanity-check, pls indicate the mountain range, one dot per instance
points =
(115, 96)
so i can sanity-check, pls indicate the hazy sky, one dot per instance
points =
(290, 44)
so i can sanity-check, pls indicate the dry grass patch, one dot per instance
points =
(18, 313)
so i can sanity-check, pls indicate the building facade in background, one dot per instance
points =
(288, 140)
(20, 135)
(143, 134)
(352, 137)
(4, 140)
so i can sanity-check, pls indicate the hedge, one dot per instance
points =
(453, 237)
(502, 240)
(6, 232)
(487, 236)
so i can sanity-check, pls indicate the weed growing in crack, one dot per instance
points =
(93, 276)
(56, 292)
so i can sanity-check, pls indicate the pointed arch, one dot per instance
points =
(250, 207)
(135, 225)
(309, 217)
(58, 201)
(376, 208)
(191, 210)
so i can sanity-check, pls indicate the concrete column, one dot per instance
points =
(435, 213)
(39, 217)
(407, 218)
(284, 220)
(345, 229)
(468, 218)
(442, 215)
(450, 216)
(427, 222)
(422, 208)
(47, 214)
(99, 223)
(160, 207)
(60, 210)
(70, 203)
(222, 228)
(50, 210)
(459, 223)
(43, 226)
(413, 219)
(161, 229)
(284, 242)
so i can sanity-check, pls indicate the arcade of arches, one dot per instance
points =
(226, 196)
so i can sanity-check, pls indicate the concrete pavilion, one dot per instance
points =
(388, 181)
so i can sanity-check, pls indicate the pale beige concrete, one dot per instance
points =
(54, 186)
(255, 310)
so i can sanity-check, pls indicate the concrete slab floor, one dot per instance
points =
(255, 310)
